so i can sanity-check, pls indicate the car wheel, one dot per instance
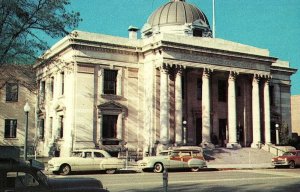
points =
(158, 168)
(195, 169)
(65, 169)
(292, 164)
(110, 171)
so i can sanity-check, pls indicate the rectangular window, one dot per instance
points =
(272, 103)
(52, 87)
(42, 91)
(199, 89)
(61, 129)
(41, 128)
(12, 92)
(50, 127)
(109, 126)
(10, 128)
(222, 91)
(110, 81)
(62, 83)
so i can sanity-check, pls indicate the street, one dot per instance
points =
(230, 180)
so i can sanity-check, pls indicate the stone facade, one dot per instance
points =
(295, 111)
(168, 88)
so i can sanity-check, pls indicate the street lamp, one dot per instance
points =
(277, 133)
(26, 110)
(184, 132)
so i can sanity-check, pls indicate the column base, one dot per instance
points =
(207, 145)
(256, 145)
(233, 146)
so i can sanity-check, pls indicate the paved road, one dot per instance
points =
(260, 180)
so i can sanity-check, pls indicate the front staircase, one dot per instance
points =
(242, 156)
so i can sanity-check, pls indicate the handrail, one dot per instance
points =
(274, 147)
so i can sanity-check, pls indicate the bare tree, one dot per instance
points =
(23, 22)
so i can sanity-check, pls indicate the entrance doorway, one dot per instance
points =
(222, 132)
(273, 132)
(198, 131)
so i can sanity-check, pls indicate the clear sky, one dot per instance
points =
(268, 24)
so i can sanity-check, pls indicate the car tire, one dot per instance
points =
(195, 169)
(65, 169)
(158, 168)
(110, 171)
(292, 165)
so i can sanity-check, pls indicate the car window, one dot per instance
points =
(98, 154)
(185, 153)
(77, 154)
(88, 154)
(289, 154)
(164, 153)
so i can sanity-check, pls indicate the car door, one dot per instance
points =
(87, 162)
(185, 157)
(297, 160)
(26, 182)
(98, 160)
(175, 160)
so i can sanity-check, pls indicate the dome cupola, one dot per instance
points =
(177, 17)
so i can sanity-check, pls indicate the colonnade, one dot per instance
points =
(206, 108)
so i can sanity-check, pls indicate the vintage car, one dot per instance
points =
(175, 158)
(289, 159)
(85, 160)
(21, 176)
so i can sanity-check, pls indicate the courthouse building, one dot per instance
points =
(176, 85)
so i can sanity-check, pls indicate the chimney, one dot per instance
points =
(133, 32)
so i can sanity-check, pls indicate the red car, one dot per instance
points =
(289, 159)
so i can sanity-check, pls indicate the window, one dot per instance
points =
(197, 33)
(98, 154)
(52, 87)
(62, 82)
(109, 126)
(272, 103)
(199, 89)
(50, 127)
(12, 92)
(110, 81)
(42, 91)
(222, 91)
(41, 128)
(10, 128)
(61, 129)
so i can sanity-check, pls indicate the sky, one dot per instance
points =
(267, 24)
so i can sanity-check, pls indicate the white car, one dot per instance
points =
(85, 160)
(176, 158)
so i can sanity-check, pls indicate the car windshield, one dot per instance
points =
(289, 154)
(164, 153)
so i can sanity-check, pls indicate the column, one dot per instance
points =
(100, 128)
(255, 113)
(232, 125)
(120, 126)
(119, 83)
(178, 107)
(164, 106)
(206, 107)
(101, 81)
(267, 112)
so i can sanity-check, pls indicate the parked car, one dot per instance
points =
(289, 159)
(85, 160)
(176, 158)
(21, 176)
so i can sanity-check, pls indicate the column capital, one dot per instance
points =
(232, 75)
(207, 72)
(256, 78)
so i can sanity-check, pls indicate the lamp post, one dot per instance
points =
(184, 132)
(277, 133)
(26, 110)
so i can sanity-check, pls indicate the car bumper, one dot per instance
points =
(280, 163)
(52, 168)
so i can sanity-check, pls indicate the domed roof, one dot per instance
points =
(176, 12)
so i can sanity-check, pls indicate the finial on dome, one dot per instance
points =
(178, 0)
